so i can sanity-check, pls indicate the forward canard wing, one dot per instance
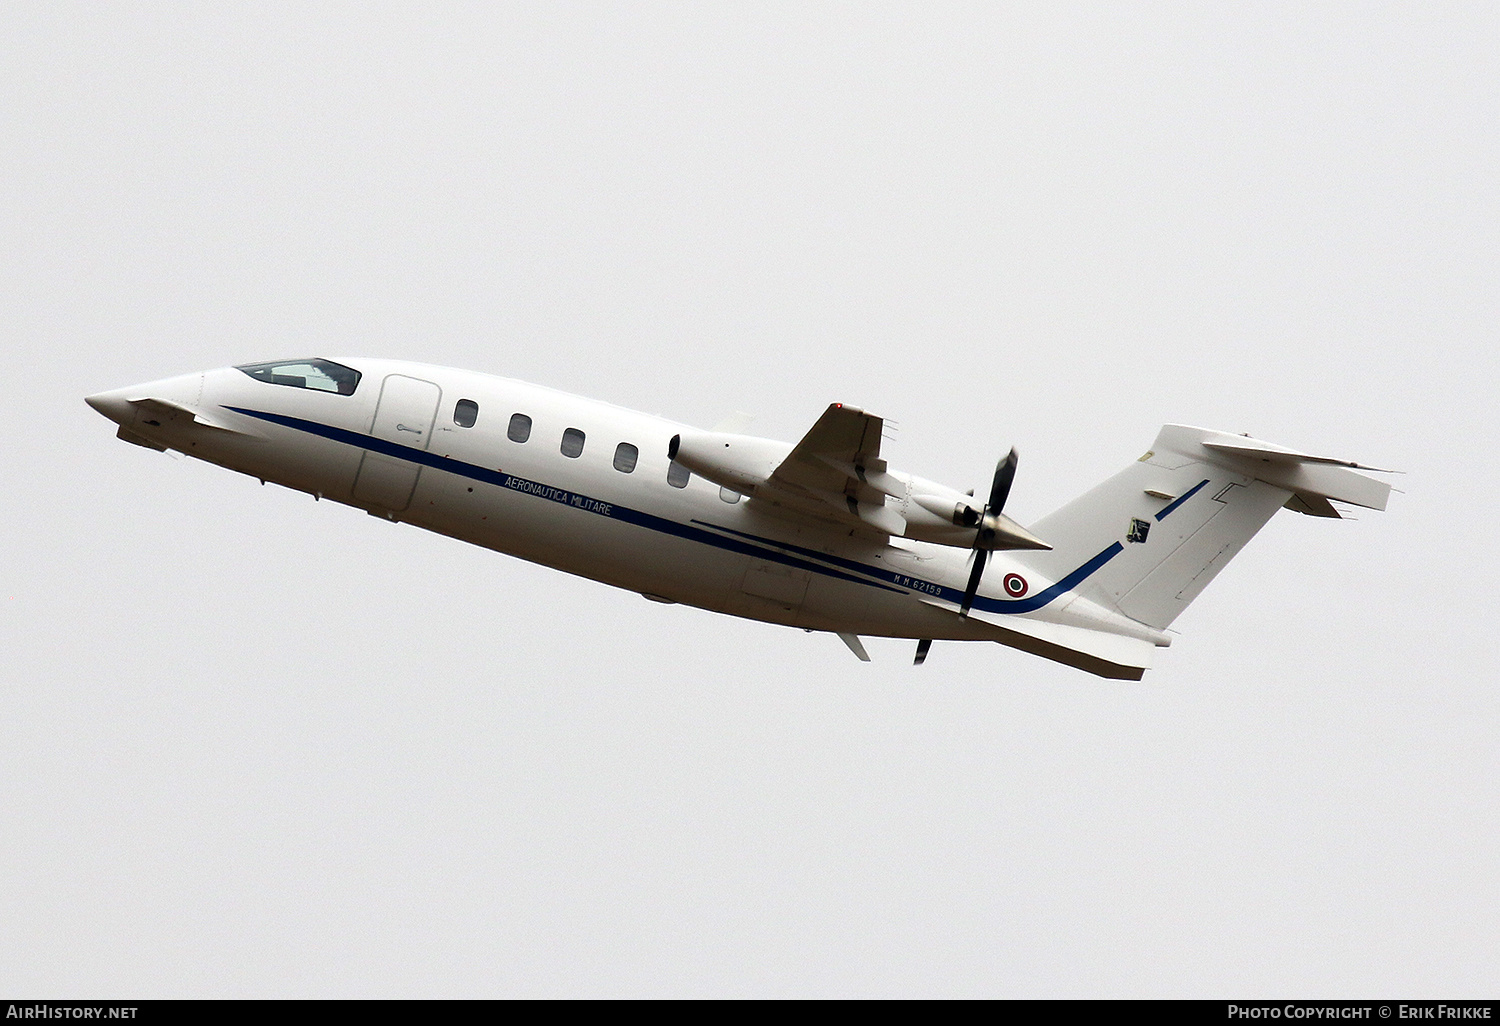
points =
(156, 411)
(164, 414)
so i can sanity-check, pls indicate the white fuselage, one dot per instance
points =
(397, 448)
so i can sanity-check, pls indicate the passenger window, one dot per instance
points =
(466, 413)
(520, 427)
(625, 457)
(572, 443)
(677, 475)
(729, 495)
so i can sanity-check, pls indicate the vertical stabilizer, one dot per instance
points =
(1180, 513)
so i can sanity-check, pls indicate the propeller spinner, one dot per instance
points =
(996, 530)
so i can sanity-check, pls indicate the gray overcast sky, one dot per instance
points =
(253, 745)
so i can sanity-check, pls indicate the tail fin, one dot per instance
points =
(1181, 512)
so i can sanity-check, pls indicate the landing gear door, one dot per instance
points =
(405, 415)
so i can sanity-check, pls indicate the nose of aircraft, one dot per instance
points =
(119, 405)
(112, 405)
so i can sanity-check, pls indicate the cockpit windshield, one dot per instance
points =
(322, 375)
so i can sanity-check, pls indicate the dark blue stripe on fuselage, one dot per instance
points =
(538, 489)
(1184, 497)
(717, 537)
(1021, 605)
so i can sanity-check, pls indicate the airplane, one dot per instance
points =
(820, 534)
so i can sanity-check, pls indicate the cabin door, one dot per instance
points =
(407, 409)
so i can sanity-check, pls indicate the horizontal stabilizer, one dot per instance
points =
(1257, 449)
(1313, 506)
(1312, 480)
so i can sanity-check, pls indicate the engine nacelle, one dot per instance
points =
(737, 462)
(940, 515)
(946, 517)
(950, 508)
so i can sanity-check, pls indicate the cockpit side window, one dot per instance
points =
(319, 375)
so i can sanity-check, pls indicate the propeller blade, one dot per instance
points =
(993, 524)
(1005, 473)
(980, 555)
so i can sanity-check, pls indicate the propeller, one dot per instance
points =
(995, 529)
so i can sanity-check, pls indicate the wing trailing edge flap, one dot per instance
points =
(837, 464)
(1099, 652)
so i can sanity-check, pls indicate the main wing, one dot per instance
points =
(836, 471)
